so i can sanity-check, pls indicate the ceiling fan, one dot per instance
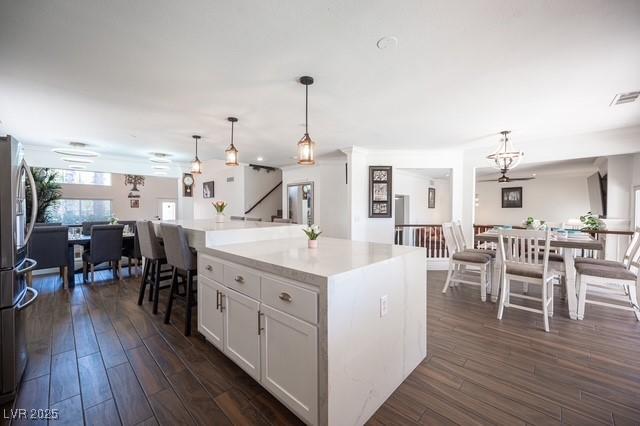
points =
(506, 179)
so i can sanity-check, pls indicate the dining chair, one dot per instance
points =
(282, 220)
(237, 218)
(462, 243)
(595, 275)
(86, 226)
(465, 266)
(634, 244)
(525, 258)
(154, 257)
(253, 219)
(183, 259)
(48, 246)
(105, 246)
(131, 247)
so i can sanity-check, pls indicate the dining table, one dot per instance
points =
(84, 241)
(568, 244)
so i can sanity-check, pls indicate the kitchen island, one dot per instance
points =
(331, 332)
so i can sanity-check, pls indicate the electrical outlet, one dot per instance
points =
(384, 305)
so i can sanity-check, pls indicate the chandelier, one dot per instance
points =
(505, 157)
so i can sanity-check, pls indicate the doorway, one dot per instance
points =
(401, 209)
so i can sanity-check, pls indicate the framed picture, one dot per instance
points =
(431, 198)
(208, 189)
(380, 191)
(512, 198)
(134, 203)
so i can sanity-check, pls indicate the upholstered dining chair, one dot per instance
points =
(48, 247)
(525, 258)
(625, 275)
(105, 246)
(131, 247)
(86, 226)
(465, 266)
(154, 257)
(634, 244)
(184, 262)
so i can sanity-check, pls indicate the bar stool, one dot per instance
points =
(155, 257)
(184, 262)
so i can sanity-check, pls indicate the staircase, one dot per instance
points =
(264, 197)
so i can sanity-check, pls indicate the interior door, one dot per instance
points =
(289, 356)
(167, 209)
(241, 338)
(210, 312)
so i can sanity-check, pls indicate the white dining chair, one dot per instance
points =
(525, 258)
(465, 267)
(597, 275)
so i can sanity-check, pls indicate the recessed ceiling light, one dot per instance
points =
(259, 159)
(77, 167)
(160, 173)
(160, 167)
(77, 160)
(159, 157)
(388, 42)
(533, 174)
(76, 150)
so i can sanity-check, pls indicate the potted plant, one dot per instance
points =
(591, 222)
(313, 232)
(220, 206)
(48, 190)
(113, 220)
(536, 224)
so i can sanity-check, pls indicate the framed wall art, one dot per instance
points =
(431, 198)
(512, 198)
(208, 189)
(380, 190)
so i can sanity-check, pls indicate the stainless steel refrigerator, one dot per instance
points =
(15, 295)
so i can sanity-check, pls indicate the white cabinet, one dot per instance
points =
(241, 338)
(210, 314)
(289, 359)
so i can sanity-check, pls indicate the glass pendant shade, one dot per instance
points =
(196, 164)
(505, 157)
(305, 151)
(231, 156)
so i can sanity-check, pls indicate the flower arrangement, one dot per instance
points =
(592, 222)
(220, 206)
(113, 220)
(532, 223)
(313, 232)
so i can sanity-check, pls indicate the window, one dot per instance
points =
(74, 212)
(82, 177)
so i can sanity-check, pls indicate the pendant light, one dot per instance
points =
(306, 145)
(505, 157)
(196, 164)
(231, 153)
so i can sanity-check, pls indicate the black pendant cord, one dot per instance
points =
(232, 133)
(306, 110)
(196, 148)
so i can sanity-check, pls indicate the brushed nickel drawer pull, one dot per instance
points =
(218, 301)
(285, 297)
(209, 268)
(239, 279)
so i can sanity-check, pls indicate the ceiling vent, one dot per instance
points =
(624, 98)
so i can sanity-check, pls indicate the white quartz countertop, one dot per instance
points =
(211, 225)
(332, 257)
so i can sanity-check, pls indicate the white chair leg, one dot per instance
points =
(448, 280)
(550, 296)
(483, 283)
(503, 296)
(545, 306)
(633, 299)
(582, 295)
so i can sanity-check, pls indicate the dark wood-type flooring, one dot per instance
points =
(101, 359)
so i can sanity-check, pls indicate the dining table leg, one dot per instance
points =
(570, 274)
(71, 266)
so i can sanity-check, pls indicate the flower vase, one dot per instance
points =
(312, 244)
(220, 218)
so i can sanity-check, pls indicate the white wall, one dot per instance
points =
(619, 186)
(416, 187)
(230, 192)
(553, 199)
(154, 189)
(256, 184)
(330, 191)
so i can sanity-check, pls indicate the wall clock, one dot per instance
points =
(187, 184)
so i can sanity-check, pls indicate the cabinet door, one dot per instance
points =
(210, 318)
(289, 358)
(241, 338)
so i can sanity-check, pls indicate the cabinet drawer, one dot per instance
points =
(291, 299)
(242, 280)
(210, 268)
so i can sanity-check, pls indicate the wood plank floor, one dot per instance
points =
(101, 360)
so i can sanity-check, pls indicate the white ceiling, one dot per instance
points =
(130, 78)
